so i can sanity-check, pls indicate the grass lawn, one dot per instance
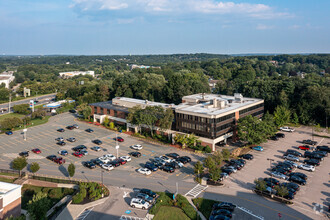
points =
(54, 194)
(8, 174)
(168, 212)
(38, 121)
(3, 179)
(204, 206)
(11, 115)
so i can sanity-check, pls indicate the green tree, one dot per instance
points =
(218, 157)
(60, 96)
(39, 113)
(85, 110)
(281, 190)
(215, 173)
(34, 167)
(198, 168)
(10, 123)
(26, 120)
(225, 154)
(166, 119)
(111, 125)
(295, 119)
(251, 130)
(19, 163)
(260, 185)
(209, 163)
(71, 169)
(106, 122)
(38, 206)
(181, 139)
(192, 140)
(268, 124)
(281, 115)
(21, 109)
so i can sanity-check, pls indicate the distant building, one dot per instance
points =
(7, 78)
(134, 66)
(211, 117)
(10, 200)
(76, 73)
(213, 83)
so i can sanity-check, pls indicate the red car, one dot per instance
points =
(304, 147)
(119, 139)
(59, 160)
(78, 154)
(121, 161)
(36, 150)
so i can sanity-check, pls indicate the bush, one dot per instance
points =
(55, 193)
(77, 199)
(207, 149)
(68, 191)
(45, 190)
(186, 207)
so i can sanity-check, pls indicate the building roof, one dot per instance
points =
(7, 187)
(5, 77)
(143, 102)
(109, 105)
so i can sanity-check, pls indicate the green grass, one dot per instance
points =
(8, 174)
(204, 206)
(168, 212)
(7, 180)
(38, 121)
(11, 115)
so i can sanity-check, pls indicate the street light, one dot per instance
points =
(271, 175)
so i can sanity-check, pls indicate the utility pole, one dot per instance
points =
(117, 146)
(24, 131)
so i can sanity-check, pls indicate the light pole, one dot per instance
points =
(271, 175)
(117, 146)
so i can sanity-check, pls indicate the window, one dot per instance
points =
(115, 113)
(95, 109)
(108, 111)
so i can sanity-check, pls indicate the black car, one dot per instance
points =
(89, 164)
(70, 127)
(290, 195)
(183, 160)
(322, 153)
(280, 135)
(300, 175)
(227, 170)
(241, 161)
(97, 141)
(97, 162)
(313, 155)
(297, 179)
(173, 164)
(218, 217)
(151, 166)
(72, 111)
(224, 205)
(167, 169)
(173, 155)
(247, 156)
(115, 163)
(148, 192)
(72, 139)
(294, 186)
(281, 170)
(60, 130)
(61, 143)
(323, 148)
(135, 154)
(275, 181)
(313, 162)
(293, 152)
(283, 167)
(24, 154)
(310, 142)
(89, 130)
(285, 163)
(224, 212)
(79, 147)
(51, 157)
(274, 138)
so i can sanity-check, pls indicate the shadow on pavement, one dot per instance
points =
(63, 170)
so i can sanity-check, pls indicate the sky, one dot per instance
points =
(122, 27)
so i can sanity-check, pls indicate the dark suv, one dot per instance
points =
(280, 135)
(313, 155)
(148, 192)
(224, 205)
(151, 166)
(323, 148)
(294, 153)
(24, 154)
(80, 147)
(310, 142)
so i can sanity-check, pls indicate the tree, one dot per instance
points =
(21, 109)
(191, 140)
(60, 96)
(225, 154)
(34, 167)
(215, 173)
(19, 163)
(85, 110)
(218, 157)
(38, 206)
(281, 190)
(268, 124)
(106, 122)
(26, 120)
(104, 92)
(281, 115)
(166, 119)
(260, 185)
(209, 163)
(251, 130)
(198, 168)
(71, 169)
(295, 119)
(181, 139)
(40, 113)
(10, 123)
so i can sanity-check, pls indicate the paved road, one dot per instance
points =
(44, 99)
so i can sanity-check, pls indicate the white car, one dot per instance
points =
(291, 162)
(96, 148)
(306, 167)
(144, 171)
(59, 139)
(166, 159)
(126, 158)
(280, 175)
(107, 167)
(139, 203)
(158, 160)
(178, 163)
(291, 157)
(110, 157)
(104, 159)
(232, 168)
(287, 129)
(137, 147)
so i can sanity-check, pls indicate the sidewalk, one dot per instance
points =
(193, 205)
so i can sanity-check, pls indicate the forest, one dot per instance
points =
(301, 83)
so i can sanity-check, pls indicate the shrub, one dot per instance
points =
(68, 191)
(45, 190)
(186, 207)
(77, 199)
(207, 149)
(55, 193)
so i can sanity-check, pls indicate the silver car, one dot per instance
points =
(291, 157)
(280, 175)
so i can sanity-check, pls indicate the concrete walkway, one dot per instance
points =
(193, 205)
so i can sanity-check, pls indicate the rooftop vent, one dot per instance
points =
(238, 97)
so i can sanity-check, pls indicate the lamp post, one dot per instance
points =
(117, 146)
(271, 175)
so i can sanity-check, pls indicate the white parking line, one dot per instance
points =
(126, 217)
(84, 214)
(250, 212)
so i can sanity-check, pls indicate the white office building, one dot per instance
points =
(10, 200)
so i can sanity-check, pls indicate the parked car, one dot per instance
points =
(158, 160)
(323, 148)
(280, 135)
(227, 170)
(135, 154)
(72, 139)
(313, 162)
(24, 154)
(115, 163)
(247, 156)
(89, 164)
(70, 127)
(59, 139)
(173, 165)
(304, 147)
(96, 148)
(61, 143)
(167, 169)
(258, 148)
(51, 157)
(173, 155)
(218, 217)
(287, 129)
(79, 147)
(9, 132)
(281, 170)
(36, 151)
(59, 160)
(97, 161)
(145, 197)
(107, 166)
(75, 126)
(166, 159)
(148, 192)
(289, 162)
(72, 111)
(301, 175)
(291, 157)
(110, 157)
(139, 203)
(310, 142)
(274, 138)
(291, 185)
(294, 153)
(97, 141)
(63, 152)
(223, 212)
(184, 159)
(223, 175)
(297, 179)
(89, 130)
(151, 166)
(275, 181)
(137, 147)
(126, 158)
(120, 139)
(121, 161)
(144, 171)
(84, 152)
(78, 154)
(60, 130)
(322, 153)
(312, 155)
(224, 205)
(279, 175)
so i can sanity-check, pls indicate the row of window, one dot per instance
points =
(107, 111)
(198, 127)
(204, 120)
(251, 108)
(225, 126)
(258, 113)
(224, 118)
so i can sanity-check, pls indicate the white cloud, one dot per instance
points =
(173, 7)
(264, 27)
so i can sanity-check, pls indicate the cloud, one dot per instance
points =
(264, 27)
(178, 7)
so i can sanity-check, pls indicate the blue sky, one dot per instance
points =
(97, 27)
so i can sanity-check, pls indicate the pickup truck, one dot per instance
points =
(287, 129)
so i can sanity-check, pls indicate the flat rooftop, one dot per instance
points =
(142, 102)
(6, 187)
(205, 104)
(109, 105)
